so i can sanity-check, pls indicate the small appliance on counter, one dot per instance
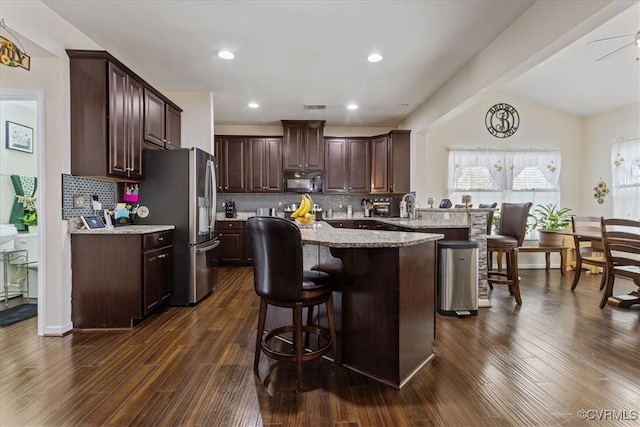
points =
(230, 209)
(387, 207)
(317, 211)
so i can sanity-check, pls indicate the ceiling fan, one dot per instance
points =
(636, 41)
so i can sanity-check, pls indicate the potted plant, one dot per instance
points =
(548, 220)
(30, 219)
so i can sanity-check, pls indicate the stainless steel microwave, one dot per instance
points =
(302, 181)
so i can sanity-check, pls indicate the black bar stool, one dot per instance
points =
(280, 280)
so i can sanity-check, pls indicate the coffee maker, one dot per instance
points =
(229, 209)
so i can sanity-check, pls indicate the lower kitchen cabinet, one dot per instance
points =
(119, 279)
(234, 245)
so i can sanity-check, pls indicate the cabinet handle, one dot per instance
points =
(299, 166)
(306, 166)
(349, 187)
(390, 188)
(226, 188)
(161, 238)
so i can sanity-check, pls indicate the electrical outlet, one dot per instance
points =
(78, 202)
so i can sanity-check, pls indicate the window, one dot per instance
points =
(625, 167)
(505, 176)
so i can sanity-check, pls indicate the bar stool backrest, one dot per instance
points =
(276, 248)
(489, 215)
(513, 220)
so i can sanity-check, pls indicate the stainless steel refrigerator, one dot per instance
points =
(179, 188)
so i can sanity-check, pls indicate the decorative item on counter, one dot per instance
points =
(367, 206)
(430, 202)
(302, 215)
(143, 211)
(600, 190)
(466, 200)
(130, 192)
(445, 204)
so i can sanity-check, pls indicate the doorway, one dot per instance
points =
(22, 162)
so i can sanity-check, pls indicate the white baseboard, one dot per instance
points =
(57, 331)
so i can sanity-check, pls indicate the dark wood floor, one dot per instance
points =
(538, 364)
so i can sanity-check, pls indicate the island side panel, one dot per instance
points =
(417, 301)
(370, 340)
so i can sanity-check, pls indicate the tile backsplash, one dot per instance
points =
(245, 202)
(73, 185)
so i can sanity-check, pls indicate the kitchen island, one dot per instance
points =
(385, 307)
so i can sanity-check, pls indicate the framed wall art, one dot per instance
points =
(19, 137)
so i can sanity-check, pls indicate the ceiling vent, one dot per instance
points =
(315, 107)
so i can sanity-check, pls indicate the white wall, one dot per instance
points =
(14, 162)
(196, 119)
(599, 133)
(37, 23)
(540, 127)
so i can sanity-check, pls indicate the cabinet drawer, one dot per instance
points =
(342, 224)
(229, 225)
(157, 240)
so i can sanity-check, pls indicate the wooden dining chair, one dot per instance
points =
(621, 239)
(588, 249)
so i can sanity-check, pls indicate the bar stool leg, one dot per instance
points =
(516, 277)
(297, 342)
(259, 333)
(332, 330)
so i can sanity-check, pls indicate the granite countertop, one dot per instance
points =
(416, 224)
(323, 234)
(126, 229)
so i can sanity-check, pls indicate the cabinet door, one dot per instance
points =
(379, 168)
(156, 265)
(233, 178)
(231, 246)
(118, 154)
(336, 173)
(399, 158)
(359, 166)
(293, 141)
(154, 125)
(314, 145)
(217, 155)
(173, 128)
(135, 123)
(273, 166)
(264, 165)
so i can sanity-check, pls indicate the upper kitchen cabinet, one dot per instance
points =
(162, 125)
(107, 117)
(232, 158)
(303, 144)
(264, 165)
(390, 162)
(347, 165)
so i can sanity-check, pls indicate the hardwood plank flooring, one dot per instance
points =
(535, 364)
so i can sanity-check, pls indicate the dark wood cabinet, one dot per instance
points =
(336, 223)
(232, 174)
(108, 106)
(157, 269)
(220, 165)
(106, 119)
(264, 165)
(162, 122)
(336, 174)
(303, 144)
(347, 165)
(119, 279)
(390, 165)
(233, 243)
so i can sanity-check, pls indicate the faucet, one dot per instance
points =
(410, 207)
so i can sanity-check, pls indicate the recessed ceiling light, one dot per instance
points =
(253, 105)
(374, 57)
(225, 54)
(352, 107)
(402, 105)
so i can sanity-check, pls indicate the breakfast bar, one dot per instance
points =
(386, 307)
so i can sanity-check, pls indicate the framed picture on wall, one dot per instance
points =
(19, 137)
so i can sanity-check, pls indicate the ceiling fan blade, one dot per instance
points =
(617, 50)
(615, 37)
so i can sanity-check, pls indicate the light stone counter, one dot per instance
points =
(323, 234)
(126, 229)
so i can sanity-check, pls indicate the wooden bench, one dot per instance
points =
(562, 250)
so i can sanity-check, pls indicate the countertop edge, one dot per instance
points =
(127, 229)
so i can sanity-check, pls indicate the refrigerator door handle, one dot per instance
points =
(208, 247)
(211, 194)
